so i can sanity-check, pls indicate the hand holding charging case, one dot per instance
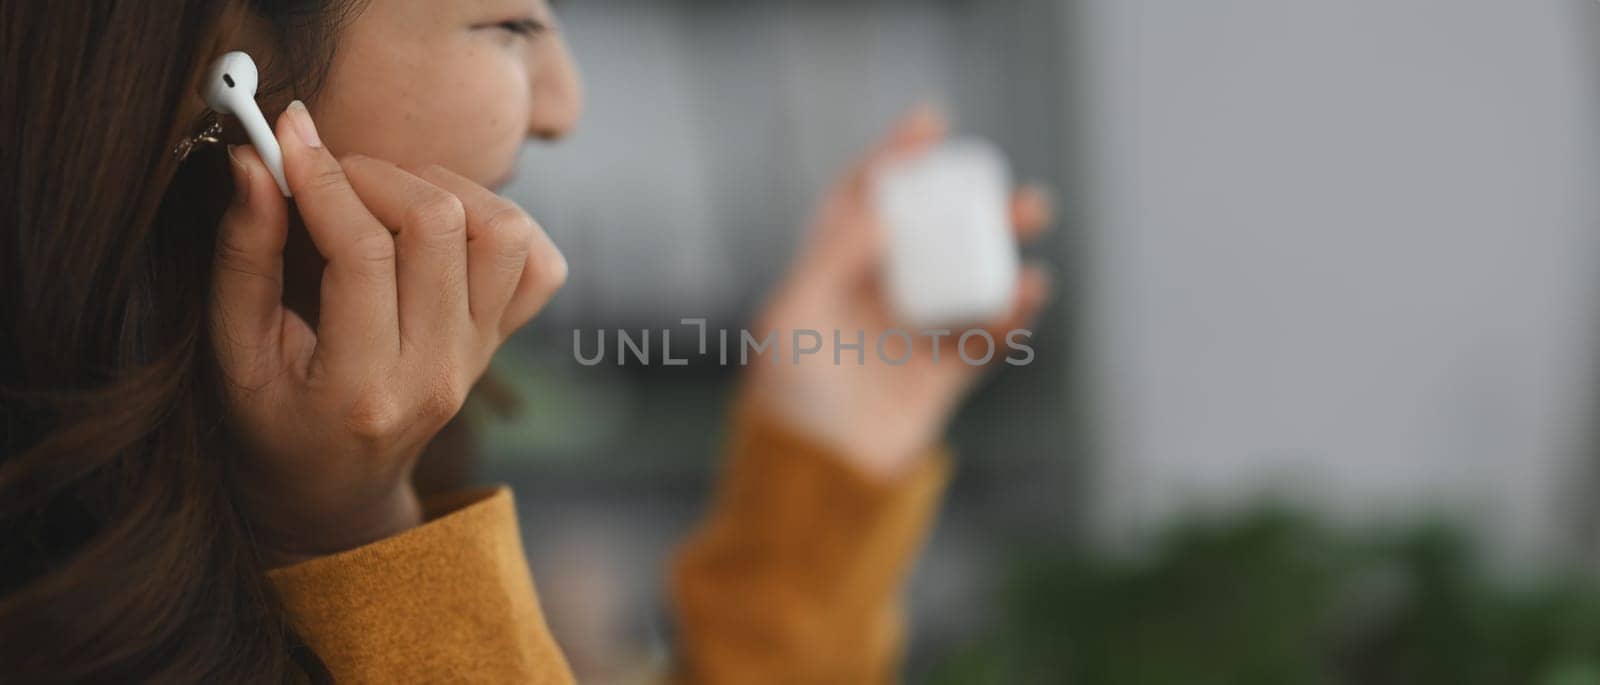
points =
(952, 256)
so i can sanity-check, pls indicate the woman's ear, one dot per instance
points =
(246, 32)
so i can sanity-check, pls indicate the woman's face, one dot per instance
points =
(458, 83)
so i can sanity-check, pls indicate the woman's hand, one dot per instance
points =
(427, 274)
(878, 415)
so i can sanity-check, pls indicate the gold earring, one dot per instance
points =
(208, 135)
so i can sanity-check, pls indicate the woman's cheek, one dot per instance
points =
(476, 140)
(491, 130)
(469, 115)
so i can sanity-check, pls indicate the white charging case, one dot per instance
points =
(952, 257)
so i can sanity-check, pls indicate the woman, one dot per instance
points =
(216, 399)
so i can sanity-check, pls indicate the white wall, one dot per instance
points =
(1346, 248)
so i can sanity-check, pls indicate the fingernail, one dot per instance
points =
(301, 118)
(241, 177)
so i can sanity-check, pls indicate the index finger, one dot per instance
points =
(359, 317)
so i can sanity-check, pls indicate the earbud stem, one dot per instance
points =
(266, 144)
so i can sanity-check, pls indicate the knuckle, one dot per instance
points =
(510, 224)
(326, 178)
(234, 258)
(548, 269)
(358, 164)
(437, 212)
(443, 398)
(232, 254)
(432, 171)
(555, 270)
(354, 161)
(509, 231)
(375, 418)
(373, 247)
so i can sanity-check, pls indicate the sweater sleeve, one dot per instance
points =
(451, 601)
(796, 574)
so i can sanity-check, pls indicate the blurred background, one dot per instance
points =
(1314, 402)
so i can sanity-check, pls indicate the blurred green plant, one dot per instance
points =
(1274, 596)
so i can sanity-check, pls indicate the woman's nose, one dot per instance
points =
(557, 90)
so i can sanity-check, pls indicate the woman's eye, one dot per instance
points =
(526, 27)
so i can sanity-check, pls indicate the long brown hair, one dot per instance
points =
(122, 556)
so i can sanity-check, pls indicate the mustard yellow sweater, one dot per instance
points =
(794, 577)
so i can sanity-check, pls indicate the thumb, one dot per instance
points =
(247, 284)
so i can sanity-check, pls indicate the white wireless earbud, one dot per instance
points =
(231, 89)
